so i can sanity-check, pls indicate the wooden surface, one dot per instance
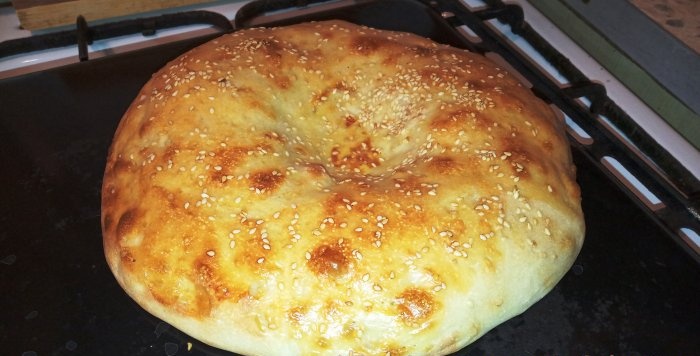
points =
(41, 14)
(679, 17)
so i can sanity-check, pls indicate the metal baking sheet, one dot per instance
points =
(631, 291)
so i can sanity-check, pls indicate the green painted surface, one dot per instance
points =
(678, 115)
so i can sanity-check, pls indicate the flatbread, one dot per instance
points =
(331, 189)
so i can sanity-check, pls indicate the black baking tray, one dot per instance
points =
(632, 291)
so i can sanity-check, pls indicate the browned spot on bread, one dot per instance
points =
(171, 152)
(126, 223)
(350, 120)
(316, 169)
(521, 159)
(224, 160)
(415, 305)
(339, 88)
(207, 275)
(334, 203)
(450, 121)
(422, 51)
(218, 176)
(165, 197)
(444, 165)
(548, 146)
(107, 221)
(197, 304)
(329, 260)
(231, 156)
(361, 154)
(482, 122)
(456, 226)
(282, 81)
(121, 166)
(296, 314)
(366, 44)
(516, 148)
(271, 48)
(162, 295)
(341, 206)
(266, 180)
(126, 256)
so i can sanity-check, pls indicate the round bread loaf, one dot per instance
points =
(331, 189)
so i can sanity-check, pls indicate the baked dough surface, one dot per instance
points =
(331, 189)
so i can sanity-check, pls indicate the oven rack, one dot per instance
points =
(83, 35)
(656, 181)
(618, 139)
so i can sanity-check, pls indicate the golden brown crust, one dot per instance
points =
(326, 188)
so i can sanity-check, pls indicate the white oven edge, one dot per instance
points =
(40, 60)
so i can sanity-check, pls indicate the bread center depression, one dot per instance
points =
(327, 188)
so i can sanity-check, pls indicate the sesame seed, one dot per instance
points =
(211, 253)
(357, 255)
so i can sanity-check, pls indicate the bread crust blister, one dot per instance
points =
(326, 188)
